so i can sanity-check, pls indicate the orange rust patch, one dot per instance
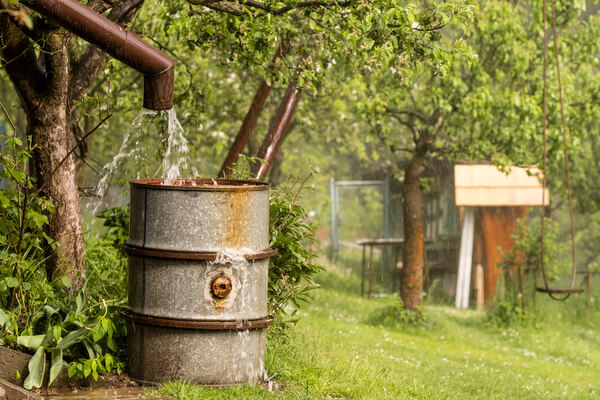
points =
(236, 234)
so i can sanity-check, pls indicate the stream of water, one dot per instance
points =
(153, 146)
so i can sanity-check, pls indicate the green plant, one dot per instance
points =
(242, 169)
(75, 330)
(292, 234)
(116, 219)
(23, 215)
(106, 270)
(394, 315)
(41, 314)
(506, 313)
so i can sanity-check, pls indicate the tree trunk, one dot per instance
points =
(246, 133)
(246, 129)
(275, 174)
(48, 126)
(47, 87)
(277, 130)
(411, 289)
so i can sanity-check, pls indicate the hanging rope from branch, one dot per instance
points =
(556, 294)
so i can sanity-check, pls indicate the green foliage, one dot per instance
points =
(508, 313)
(23, 242)
(76, 330)
(116, 219)
(515, 296)
(292, 235)
(42, 316)
(23, 214)
(242, 169)
(106, 270)
(394, 315)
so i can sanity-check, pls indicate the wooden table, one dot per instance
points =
(395, 243)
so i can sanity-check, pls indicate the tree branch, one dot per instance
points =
(301, 4)
(236, 8)
(18, 57)
(221, 6)
(89, 65)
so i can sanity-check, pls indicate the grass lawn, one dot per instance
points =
(338, 350)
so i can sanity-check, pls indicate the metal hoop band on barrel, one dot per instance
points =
(200, 185)
(188, 255)
(199, 325)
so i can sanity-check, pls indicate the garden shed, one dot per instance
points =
(471, 210)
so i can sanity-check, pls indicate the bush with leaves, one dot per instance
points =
(394, 315)
(521, 265)
(87, 334)
(116, 220)
(42, 315)
(292, 234)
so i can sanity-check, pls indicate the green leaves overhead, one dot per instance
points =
(364, 34)
(476, 96)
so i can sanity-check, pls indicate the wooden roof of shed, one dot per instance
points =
(479, 185)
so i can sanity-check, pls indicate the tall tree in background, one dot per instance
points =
(482, 106)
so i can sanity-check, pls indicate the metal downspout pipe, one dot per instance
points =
(117, 41)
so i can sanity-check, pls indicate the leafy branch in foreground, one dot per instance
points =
(45, 315)
(293, 235)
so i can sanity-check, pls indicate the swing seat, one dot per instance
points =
(559, 291)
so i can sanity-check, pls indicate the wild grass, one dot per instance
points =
(339, 350)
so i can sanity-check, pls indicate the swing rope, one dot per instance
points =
(553, 292)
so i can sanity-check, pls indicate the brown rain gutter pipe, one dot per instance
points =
(125, 46)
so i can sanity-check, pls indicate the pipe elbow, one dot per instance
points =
(158, 90)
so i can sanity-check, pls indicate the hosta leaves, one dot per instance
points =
(31, 342)
(56, 365)
(37, 367)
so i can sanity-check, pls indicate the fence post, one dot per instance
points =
(386, 219)
(334, 232)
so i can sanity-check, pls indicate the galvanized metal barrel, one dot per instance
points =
(198, 269)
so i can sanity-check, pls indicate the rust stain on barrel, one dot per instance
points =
(236, 230)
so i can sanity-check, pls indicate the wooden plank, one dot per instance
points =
(479, 284)
(463, 281)
(485, 176)
(500, 196)
(484, 185)
(497, 225)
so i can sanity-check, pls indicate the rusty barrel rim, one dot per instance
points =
(148, 320)
(201, 184)
(189, 255)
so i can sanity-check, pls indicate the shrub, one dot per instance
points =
(37, 314)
